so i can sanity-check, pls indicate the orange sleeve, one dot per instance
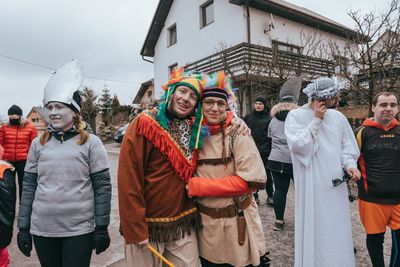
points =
(228, 186)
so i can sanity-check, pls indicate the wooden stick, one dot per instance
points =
(155, 252)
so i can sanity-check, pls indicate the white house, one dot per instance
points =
(206, 35)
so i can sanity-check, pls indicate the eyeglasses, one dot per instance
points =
(209, 103)
(346, 178)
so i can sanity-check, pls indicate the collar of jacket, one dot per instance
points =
(370, 122)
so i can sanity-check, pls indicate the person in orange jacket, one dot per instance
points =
(16, 137)
(7, 207)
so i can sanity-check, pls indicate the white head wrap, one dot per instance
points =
(323, 88)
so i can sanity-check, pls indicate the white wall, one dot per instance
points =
(229, 27)
(194, 43)
(285, 30)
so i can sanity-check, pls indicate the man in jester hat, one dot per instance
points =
(158, 155)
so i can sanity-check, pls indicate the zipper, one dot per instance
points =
(15, 145)
(281, 167)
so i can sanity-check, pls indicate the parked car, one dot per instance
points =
(119, 134)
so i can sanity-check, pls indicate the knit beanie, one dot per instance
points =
(262, 100)
(15, 110)
(194, 82)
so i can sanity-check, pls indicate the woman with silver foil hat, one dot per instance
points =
(66, 192)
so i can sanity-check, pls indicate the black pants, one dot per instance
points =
(375, 249)
(269, 187)
(281, 182)
(19, 168)
(74, 251)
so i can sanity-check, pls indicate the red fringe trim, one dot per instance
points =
(162, 140)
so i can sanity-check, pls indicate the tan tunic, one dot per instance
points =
(218, 239)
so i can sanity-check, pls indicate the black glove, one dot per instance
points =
(24, 240)
(101, 239)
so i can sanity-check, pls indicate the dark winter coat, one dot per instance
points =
(7, 202)
(258, 123)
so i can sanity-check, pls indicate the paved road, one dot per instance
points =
(281, 244)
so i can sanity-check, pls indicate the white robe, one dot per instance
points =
(320, 149)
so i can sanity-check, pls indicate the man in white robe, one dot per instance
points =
(322, 146)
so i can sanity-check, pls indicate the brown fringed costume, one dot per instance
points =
(153, 167)
(152, 172)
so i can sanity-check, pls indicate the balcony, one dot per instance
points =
(263, 61)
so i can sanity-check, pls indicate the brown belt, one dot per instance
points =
(227, 212)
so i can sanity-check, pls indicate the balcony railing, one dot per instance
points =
(263, 61)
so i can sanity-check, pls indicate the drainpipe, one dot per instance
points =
(248, 43)
(148, 60)
(248, 22)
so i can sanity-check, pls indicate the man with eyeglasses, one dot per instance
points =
(322, 144)
(258, 121)
(379, 187)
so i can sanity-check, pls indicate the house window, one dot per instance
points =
(172, 35)
(171, 68)
(285, 47)
(207, 13)
(149, 94)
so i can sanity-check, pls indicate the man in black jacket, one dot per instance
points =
(379, 187)
(258, 121)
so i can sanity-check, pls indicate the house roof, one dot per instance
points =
(156, 26)
(278, 7)
(42, 112)
(143, 87)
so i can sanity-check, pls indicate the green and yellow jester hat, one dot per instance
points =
(194, 82)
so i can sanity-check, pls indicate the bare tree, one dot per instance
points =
(266, 69)
(372, 65)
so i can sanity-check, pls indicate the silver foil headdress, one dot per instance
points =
(64, 83)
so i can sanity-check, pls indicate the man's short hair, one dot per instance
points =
(375, 99)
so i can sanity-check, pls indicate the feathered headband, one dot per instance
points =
(193, 81)
(218, 85)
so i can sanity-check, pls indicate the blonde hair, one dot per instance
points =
(80, 126)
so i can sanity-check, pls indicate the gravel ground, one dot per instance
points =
(281, 244)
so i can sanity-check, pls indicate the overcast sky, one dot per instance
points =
(105, 35)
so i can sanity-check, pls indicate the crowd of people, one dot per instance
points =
(189, 172)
